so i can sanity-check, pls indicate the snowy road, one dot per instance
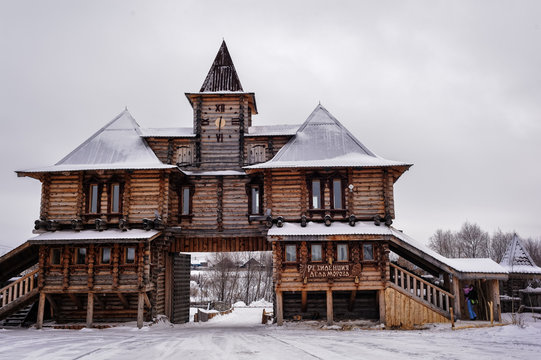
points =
(239, 336)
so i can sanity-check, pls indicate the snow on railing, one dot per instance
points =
(421, 289)
(18, 288)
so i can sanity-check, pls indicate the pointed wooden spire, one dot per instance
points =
(222, 75)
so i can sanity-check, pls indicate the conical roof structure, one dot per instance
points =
(322, 141)
(117, 145)
(222, 75)
(517, 259)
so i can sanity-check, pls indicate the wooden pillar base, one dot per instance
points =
(140, 309)
(90, 310)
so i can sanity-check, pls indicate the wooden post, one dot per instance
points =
(279, 308)
(496, 312)
(452, 317)
(168, 285)
(140, 309)
(41, 310)
(304, 300)
(381, 298)
(456, 293)
(90, 310)
(329, 307)
(491, 306)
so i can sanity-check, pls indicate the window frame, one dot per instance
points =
(333, 193)
(77, 255)
(184, 159)
(181, 195)
(338, 246)
(110, 197)
(256, 157)
(110, 255)
(286, 252)
(126, 253)
(104, 187)
(320, 252)
(363, 255)
(321, 193)
(52, 251)
(91, 197)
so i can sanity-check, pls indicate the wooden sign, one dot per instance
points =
(328, 270)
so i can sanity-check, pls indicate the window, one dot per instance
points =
(184, 155)
(316, 194)
(56, 256)
(337, 194)
(98, 191)
(93, 199)
(342, 252)
(257, 154)
(256, 199)
(368, 252)
(291, 253)
(106, 255)
(185, 201)
(130, 255)
(316, 252)
(80, 256)
(114, 201)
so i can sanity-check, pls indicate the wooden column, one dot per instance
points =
(329, 307)
(140, 309)
(90, 310)
(41, 310)
(304, 300)
(168, 285)
(381, 300)
(495, 292)
(279, 308)
(456, 293)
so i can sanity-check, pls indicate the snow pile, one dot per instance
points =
(261, 303)
(239, 304)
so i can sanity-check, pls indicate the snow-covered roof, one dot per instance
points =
(94, 235)
(177, 132)
(272, 130)
(313, 230)
(322, 141)
(117, 145)
(517, 260)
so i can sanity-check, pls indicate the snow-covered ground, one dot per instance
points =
(240, 335)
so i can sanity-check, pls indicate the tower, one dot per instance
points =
(222, 115)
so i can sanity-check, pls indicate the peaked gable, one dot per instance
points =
(117, 145)
(517, 259)
(322, 141)
(222, 75)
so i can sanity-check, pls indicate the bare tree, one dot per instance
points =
(534, 248)
(473, 242)
(444, 243)
(498, 244)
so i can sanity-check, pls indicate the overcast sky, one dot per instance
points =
(451, 86)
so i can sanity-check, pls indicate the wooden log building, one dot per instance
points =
(117, 211)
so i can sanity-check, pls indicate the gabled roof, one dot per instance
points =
(222, 75)
(322, 141)
(517, 259)
(117, 145)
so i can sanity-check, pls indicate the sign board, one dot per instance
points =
(328, 270)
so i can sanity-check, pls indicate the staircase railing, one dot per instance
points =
(19, 288)
(421, 289)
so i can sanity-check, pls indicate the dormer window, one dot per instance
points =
(257, 154)
(185, 155)
(99, 193)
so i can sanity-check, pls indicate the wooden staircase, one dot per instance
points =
(18, 294)
(412, 300)
(19, 318)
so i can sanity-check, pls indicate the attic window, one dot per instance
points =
(184, 155)
(257, 154)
